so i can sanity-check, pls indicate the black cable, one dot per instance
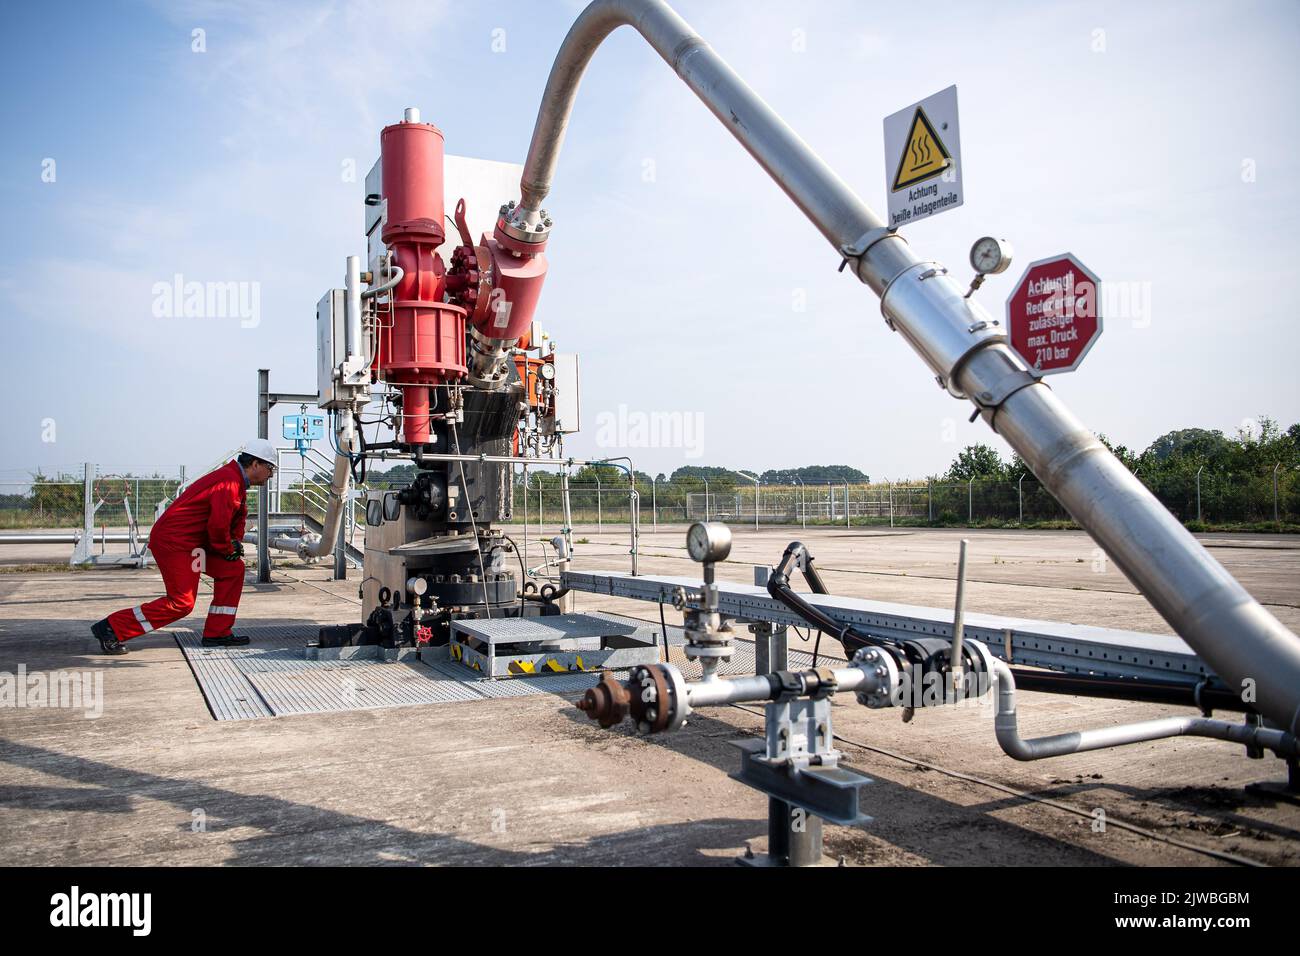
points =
(473, 522)
(663, 626)
(817, 649)
(523, 573)
(361, 457)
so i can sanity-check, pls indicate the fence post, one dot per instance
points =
(525, 554)
(970, 501)
(891, 503)
(1020, 497)
(706, 499)
(757, 482)
(654, 502)
(929, 497)
(87, 503)
(1198, 493)
(848, 522)
(1276, 520)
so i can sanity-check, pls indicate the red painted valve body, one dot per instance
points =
(516, 287)
(425, 344)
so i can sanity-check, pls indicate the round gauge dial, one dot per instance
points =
(990, 255)
(708, 542)
(547, 371)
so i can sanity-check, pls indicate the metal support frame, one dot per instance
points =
(1074, 648)
(796, 764)
(83, 552)
(266, 399)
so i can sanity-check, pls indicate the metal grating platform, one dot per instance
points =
(515, 630)
(272, 677)
(507, 648)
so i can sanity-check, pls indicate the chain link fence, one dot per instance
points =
(44, 502)
(1265, 501)
(1269, 500)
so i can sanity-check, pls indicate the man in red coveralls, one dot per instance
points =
(202, 532)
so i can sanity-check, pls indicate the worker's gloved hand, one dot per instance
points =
(236, 552)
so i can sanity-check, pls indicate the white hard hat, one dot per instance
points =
(262, 449)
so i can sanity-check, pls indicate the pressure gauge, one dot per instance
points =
(708, 541)
(547, 371)
(990, 255)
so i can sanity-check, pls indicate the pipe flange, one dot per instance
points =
(883, 685)
(984, 667)
(523, 225)
(475, 264)
(681, 707)
(705, 644)
(656, 698)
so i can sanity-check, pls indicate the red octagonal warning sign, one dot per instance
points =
(1054, 314)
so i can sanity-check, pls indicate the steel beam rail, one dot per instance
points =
(1075, 648)
(966, 350)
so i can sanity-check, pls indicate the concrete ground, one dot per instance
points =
(530, 781)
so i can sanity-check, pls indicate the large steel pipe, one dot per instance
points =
(965, 349)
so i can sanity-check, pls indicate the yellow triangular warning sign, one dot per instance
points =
(924, 155)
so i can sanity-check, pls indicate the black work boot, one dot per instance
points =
(230, 640)
(108, 641)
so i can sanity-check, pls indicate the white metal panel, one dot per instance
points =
(329, 344)
(567, 411)
(484, 184)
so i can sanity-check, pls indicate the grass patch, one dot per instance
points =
(38, 568)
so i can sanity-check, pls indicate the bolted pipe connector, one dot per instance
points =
(883, 684)
(607, 703)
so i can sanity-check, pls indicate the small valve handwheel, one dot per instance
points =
(708, 541)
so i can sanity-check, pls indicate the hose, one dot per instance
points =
(392, 281)
(523, 573)
(663, 628)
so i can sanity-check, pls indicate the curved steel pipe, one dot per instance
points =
(340, 482)
(396, 277)
(966, 350)
(810, 183)
(1058, 745)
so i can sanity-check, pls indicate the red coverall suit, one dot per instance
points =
(192, 537)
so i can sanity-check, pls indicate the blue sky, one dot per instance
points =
(1120, 132)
